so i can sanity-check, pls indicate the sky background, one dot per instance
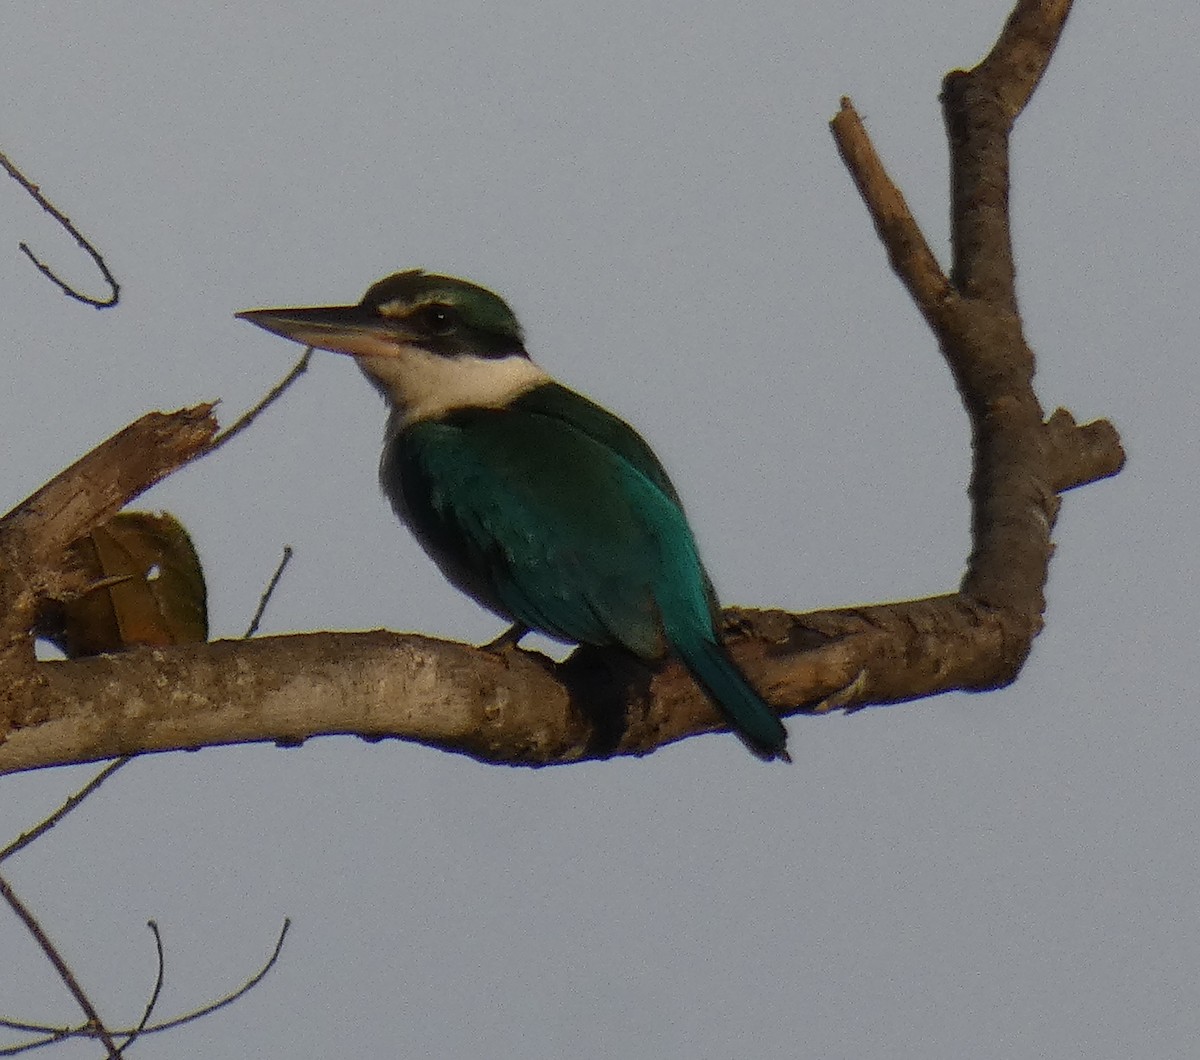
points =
(655, 191)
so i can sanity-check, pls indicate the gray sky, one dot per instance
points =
(655, 190)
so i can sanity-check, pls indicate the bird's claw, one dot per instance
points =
(509, 640)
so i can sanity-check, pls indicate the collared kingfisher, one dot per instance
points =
(542, 506)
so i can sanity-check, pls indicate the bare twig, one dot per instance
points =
(89, 1030)
(33, 1028)
(49, 207)
(276, 392)
(95, 1023)
(48, 1038)
(72, 802)
(229, 998)
(154, 994)
(267, 593)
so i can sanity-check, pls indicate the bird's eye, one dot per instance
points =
(439, 319)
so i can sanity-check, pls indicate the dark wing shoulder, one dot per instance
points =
(581, 414)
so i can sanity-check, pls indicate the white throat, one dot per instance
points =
(420, 385)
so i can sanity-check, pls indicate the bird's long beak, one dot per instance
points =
(339, 328)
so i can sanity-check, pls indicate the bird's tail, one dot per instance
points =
(749, 716)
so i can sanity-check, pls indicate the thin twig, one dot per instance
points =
(36, 193)
(51, 1038)
(95, 1024)
(89, 1030)
(54, 1034)
(272, 396)
(32, 1028)
(228, 999)
(154, 994)
(23, 840)
(267, 593)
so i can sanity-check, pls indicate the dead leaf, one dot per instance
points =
(148, 588)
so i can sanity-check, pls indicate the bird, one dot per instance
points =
(541, 505)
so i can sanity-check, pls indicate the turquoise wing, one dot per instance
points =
(558, 402)
(546, 524)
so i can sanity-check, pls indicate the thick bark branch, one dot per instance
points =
(100, 483)
(519, 707)
(513, 707)
(1020, 462)
(980, 108)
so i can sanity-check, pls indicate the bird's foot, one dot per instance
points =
(507, 641)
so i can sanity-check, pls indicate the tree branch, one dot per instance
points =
(514, 707)
(1020, 462)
